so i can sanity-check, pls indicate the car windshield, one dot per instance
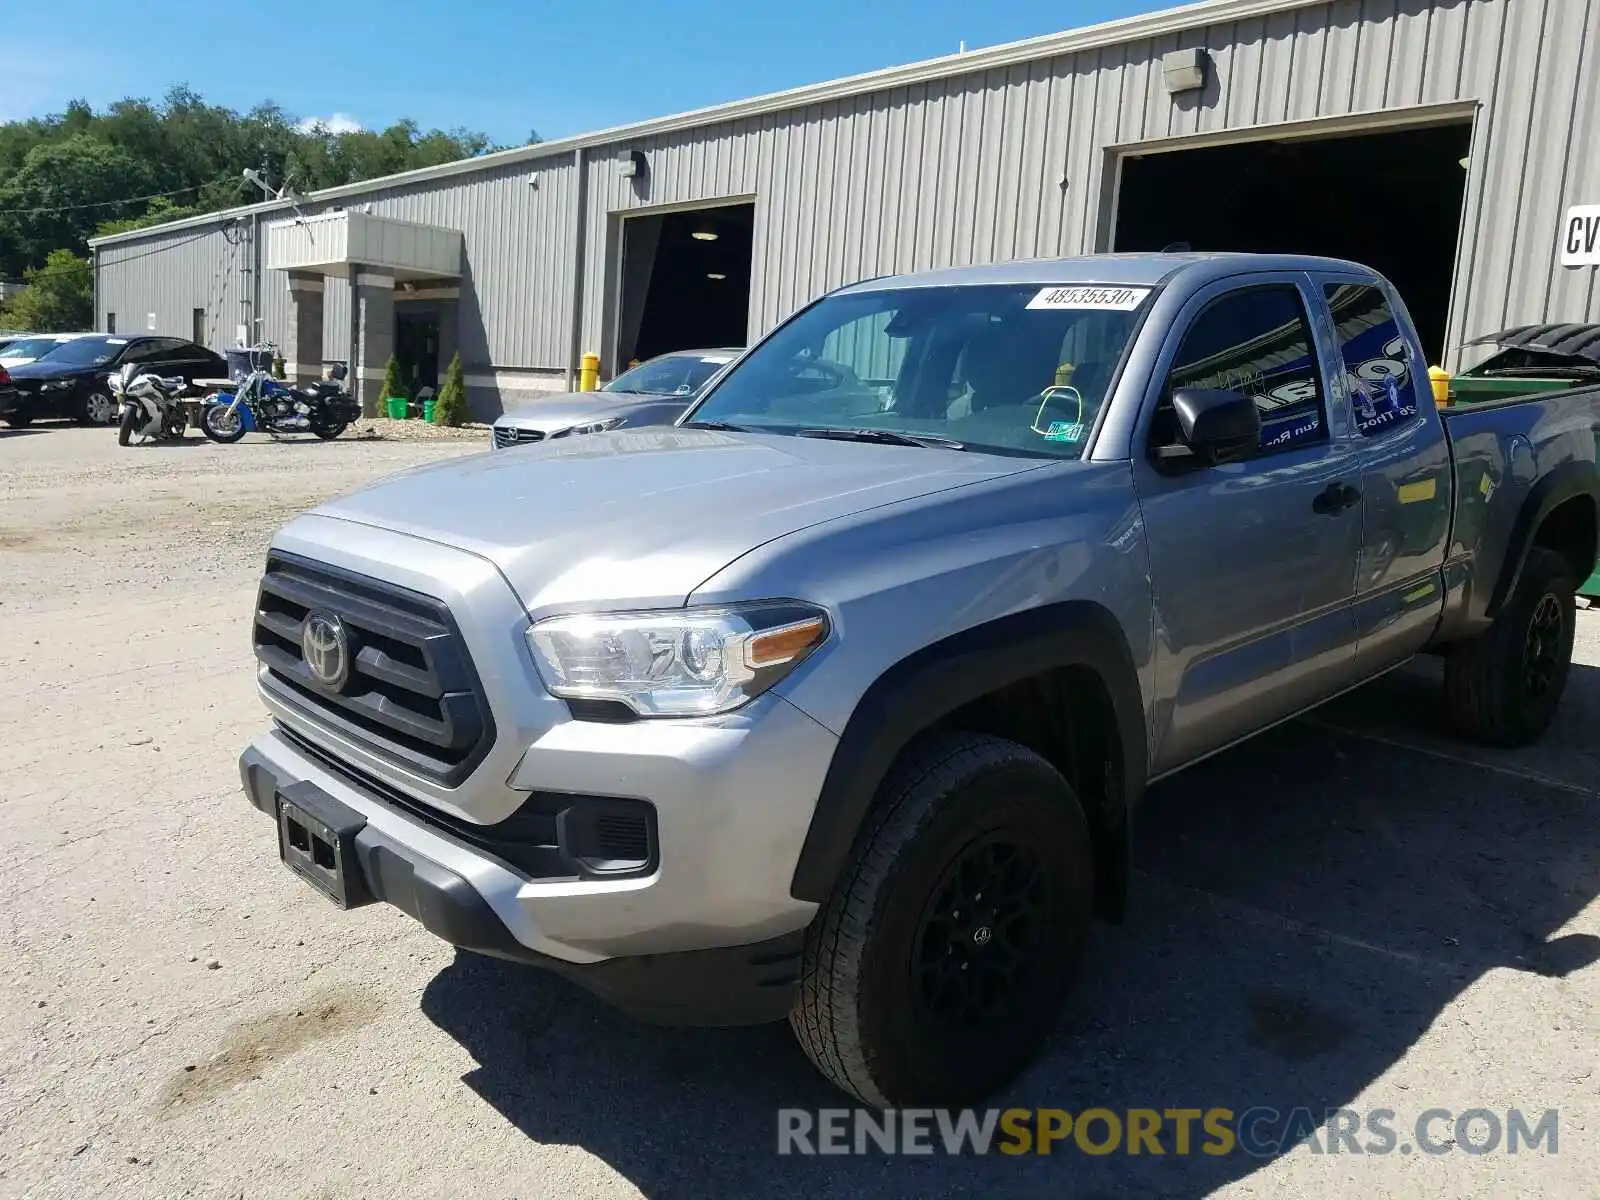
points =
(1019, 369)
(30, 349)
(669, 375)
(87, 352)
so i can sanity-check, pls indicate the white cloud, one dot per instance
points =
(335, 123)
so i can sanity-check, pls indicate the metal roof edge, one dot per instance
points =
(1050, 45)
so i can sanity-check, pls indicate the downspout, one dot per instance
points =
(94, 285)
(256, 331)
(580, 243)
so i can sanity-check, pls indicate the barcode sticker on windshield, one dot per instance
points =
(1118, 299)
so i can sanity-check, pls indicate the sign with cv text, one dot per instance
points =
(1580, 236)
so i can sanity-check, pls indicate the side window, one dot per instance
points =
(1256, 341)
(142, 352)
(1377, 357)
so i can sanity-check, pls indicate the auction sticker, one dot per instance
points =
(1116, 299)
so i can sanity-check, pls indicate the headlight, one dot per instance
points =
(596, 426)
(680, 663)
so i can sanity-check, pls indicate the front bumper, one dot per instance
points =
(442, 883)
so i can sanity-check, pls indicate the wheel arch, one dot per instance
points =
(1060, 679)
(1561, 513)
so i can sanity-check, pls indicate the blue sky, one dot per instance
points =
(498, 66)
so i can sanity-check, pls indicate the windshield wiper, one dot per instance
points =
(720, 426)
(886, 437)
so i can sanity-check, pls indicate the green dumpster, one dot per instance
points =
(1533, 359)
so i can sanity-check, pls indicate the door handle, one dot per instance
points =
(1335, 498)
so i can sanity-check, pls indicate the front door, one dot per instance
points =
(1252, 567)
(416, 348)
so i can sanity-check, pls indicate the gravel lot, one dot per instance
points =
(1354, 911)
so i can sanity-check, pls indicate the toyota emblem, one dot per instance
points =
(326, 649)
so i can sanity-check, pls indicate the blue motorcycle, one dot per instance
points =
(263, 403)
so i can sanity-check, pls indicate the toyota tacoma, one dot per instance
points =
(834, 701)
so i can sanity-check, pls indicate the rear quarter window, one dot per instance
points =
(1377, 358)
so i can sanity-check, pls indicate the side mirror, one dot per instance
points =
(1218, 426)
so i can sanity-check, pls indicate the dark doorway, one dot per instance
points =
(1391, 200)
(685, 281)
(416, 345)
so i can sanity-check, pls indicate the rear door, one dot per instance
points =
(1405, 469)
(1252, 563)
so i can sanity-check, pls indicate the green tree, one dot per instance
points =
(57, 297)
(72, 174)
(62, 188)
(451, 406)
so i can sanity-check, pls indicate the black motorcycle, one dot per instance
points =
(263, 403)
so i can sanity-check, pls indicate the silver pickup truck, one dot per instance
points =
(835, 700)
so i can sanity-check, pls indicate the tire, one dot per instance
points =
(226, 436)
(885, 1013)
(1503, 687)
(98, 409)
(125, 428)
(19, 420)
(328, 432)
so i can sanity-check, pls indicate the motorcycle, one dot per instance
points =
(147, 405)
(261, 402)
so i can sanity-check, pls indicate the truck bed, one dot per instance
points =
(1542, 448)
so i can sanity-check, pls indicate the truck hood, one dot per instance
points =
(640, 518)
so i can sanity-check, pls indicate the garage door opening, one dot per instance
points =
(685, 281)
(1391, 200)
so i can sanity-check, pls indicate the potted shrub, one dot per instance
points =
(451, 406)
(395, 397)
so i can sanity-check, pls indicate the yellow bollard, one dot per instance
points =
(1440, 379)
(589, 373)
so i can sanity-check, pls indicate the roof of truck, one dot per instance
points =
(1144, 270)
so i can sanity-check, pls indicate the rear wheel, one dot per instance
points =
(19, 420)
(328, 432)
(98, 409)
(1503, 687)
(937, 967)
(129, 422)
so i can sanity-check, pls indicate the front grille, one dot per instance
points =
(506, 436)
(411, 694)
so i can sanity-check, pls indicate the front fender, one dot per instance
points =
(920, 690)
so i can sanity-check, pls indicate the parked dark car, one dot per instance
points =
(70, 381)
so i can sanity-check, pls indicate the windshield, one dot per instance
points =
(669, 375)
(1008, 368)
(29, 349)
(87, 352)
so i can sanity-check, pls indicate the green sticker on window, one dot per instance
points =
(1064, 431)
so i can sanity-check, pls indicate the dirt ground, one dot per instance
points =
(1352, 912)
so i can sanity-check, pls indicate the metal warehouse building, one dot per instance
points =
(1443, 141)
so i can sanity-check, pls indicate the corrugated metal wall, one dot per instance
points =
(1009, 163)
(171, 275)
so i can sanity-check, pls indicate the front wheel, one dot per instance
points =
(98, 409)
(221, 425)
(125, 427)
(938, 966)
(19, 420)
(1503, 687)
